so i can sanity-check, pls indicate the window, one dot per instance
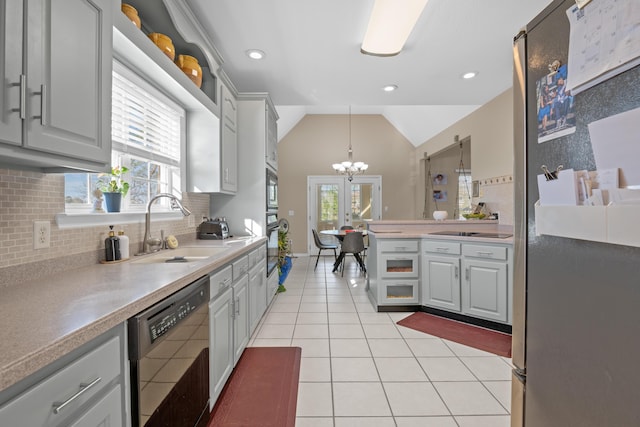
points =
(147, 131)
(464, 193)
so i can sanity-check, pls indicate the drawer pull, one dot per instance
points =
(59, 406)
(442, 249)
(484, 253)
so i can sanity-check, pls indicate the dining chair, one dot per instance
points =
(322, 246)
(353, 243)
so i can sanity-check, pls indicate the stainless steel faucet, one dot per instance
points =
(150, 244)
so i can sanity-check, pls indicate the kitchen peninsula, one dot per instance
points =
(459, 269)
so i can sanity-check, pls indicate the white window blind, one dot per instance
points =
(145, 122)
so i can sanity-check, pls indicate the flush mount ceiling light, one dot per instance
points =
(255, 54)
(349, 167)
(390, 88)
(469, 75)
(390, 24)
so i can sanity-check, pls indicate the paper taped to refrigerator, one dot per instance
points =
(615, 141)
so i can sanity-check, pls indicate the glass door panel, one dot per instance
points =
(327, 206)
(361, 204)
(335, 202)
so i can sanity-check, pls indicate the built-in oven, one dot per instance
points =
(272, 242)
(272, 191)
(169, 360)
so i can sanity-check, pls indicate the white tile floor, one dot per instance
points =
(359, 368)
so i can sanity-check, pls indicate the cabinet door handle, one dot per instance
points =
(456, 271)
(22, 109)
(43, 104)
(59, 406)
(237, 305)
(23, 96)
(466, 273)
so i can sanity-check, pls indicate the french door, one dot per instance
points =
(333, 202)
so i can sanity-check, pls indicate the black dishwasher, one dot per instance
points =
(169, 360)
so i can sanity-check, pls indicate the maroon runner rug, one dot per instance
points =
(262, 390)
(474, 336)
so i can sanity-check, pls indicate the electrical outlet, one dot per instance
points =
(41, 234)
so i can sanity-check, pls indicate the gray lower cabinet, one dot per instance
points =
(240, 287)
(84, 388)
(220, 342)
(393, 268)
(440, 274)
(57, 96)
(485, 288)
(238, 297)
(471, 279)
(258, 294)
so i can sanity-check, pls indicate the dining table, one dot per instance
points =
(339, 234)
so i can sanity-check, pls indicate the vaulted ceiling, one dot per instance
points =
(313, 63)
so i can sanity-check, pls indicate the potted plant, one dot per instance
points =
(284, 260)
(113, 187)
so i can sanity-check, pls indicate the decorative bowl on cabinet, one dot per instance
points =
(164, 43)
(189, 65)
(131, 13)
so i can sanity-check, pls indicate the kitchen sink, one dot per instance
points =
(180, 255)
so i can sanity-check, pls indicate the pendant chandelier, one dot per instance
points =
(349, 167)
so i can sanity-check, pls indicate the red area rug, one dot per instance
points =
(462, 333)
(262, 390)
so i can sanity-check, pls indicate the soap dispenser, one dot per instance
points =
(112, 246)
(124, 245)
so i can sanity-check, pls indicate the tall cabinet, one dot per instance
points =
(55, 65)
(256, 118)
(229, 139)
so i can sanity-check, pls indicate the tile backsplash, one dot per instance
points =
(497, 193)
(27, 196)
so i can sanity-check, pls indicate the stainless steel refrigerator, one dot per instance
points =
(576, 327)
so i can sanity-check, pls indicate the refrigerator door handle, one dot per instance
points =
(520, 374)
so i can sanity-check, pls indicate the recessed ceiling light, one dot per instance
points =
(390, 88)
(469, 75)
(255, 54)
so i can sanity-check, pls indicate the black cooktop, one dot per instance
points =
(489, 235)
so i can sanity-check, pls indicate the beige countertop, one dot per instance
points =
(47, 318)
(417, 229)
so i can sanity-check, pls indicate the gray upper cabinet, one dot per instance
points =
(272, 137)
(57, 108)
(229, 140)
(13, 82)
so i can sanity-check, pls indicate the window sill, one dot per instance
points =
(81, 220)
